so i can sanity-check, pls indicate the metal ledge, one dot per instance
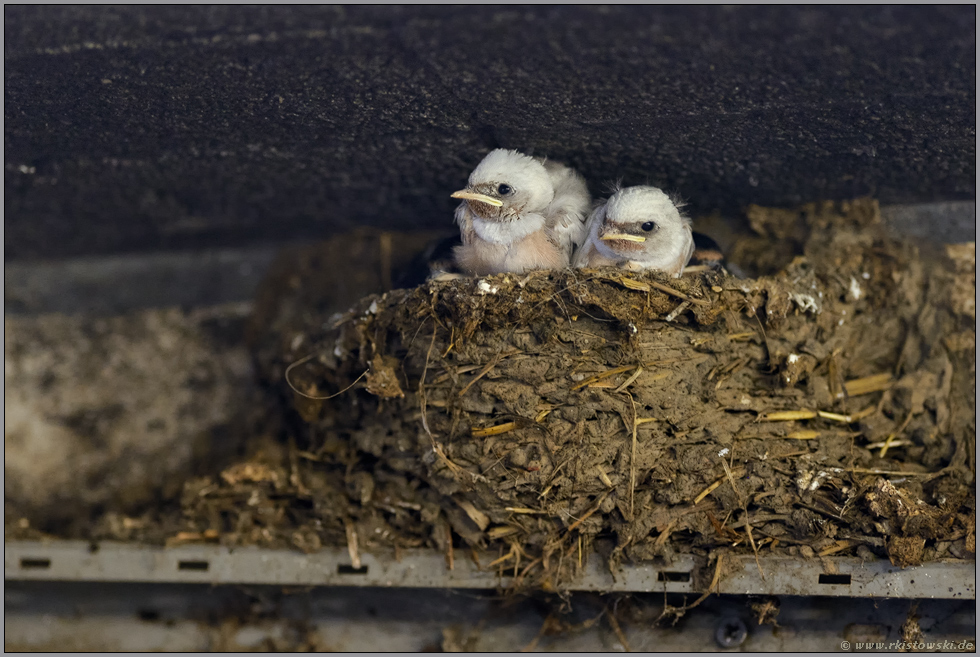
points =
(120, 562)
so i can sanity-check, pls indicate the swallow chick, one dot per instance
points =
(707, 255)
(520, 213)
(638, 228)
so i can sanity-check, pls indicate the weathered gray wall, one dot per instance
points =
(146, 128)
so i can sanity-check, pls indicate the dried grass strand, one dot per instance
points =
(315, 397)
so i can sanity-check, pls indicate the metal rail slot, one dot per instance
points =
(344, 569)
(122, 562)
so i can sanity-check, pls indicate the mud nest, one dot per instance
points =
(825, 409)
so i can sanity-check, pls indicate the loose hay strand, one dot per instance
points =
(748, 526)
(704, 596)
(787, 416)
(352, 550)
(631, 379)
(869, 384)
(477, 516)
(677, 311)
(436, 447)
(314, 397)
(804, 414)
(645, 287)
(493, 431)
(489, 366)
(839, 546)
(707, 491)
(632, 458)
(575, 525)
(450, 557)
(889, 441)
(501, 531)
(602, 375)
(893, 473)
(618, 630)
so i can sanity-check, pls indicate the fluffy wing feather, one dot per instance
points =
(585, 251)
(685, 256)
(566, 215)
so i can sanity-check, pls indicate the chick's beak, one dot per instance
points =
(623, 236)
(473, 196)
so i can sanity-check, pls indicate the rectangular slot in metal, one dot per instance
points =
(38, 563)
(673, 576)
(345, 569)
(424, 568)
(192, 565)
(827, 578)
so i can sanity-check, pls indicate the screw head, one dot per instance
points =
(731, 632)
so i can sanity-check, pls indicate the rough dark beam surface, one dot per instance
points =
(146, 128)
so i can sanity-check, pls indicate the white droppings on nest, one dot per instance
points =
(723, 453)
(485, 288)
(338, 352)
(810, 480)
(296, 342)
(577, 377)
(855, 289)
(373, 308)
(792, 358)
(865, 275)
(806, 302)
(632, 328)
(819, 479)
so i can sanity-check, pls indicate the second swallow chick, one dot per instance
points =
(520, 213)
(638, 228)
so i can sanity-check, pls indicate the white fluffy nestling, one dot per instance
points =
(520, 213)
(638, 228)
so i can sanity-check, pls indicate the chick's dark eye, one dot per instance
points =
(504, 190)
(648, 226)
